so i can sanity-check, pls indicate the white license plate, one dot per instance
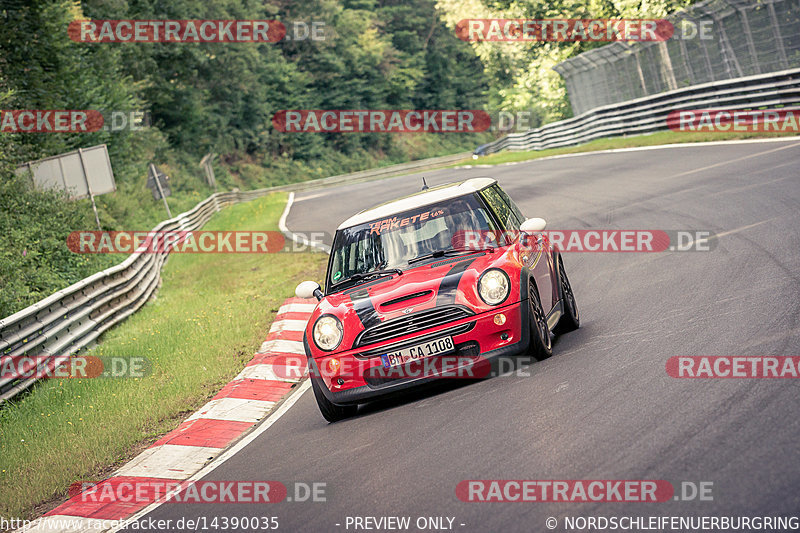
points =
(420, 351)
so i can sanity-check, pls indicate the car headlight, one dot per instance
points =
(494, 286)
(328, 332)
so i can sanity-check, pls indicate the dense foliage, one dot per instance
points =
(220, 98)
(208, 98)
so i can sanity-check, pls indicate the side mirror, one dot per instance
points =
(308, 289)
(532, 225)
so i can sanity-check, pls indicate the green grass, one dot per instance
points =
(207, 320)
(665, 137)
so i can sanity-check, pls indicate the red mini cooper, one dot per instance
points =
(430, 286)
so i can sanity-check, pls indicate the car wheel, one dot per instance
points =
(541, 344)
(570, 320)
(330, 411)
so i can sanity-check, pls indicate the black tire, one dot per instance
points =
(570, 319)
(541, 346)
(330, 411)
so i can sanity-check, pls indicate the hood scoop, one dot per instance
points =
(407, 299)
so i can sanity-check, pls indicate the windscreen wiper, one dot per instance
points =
(361, 276)
(451, 251)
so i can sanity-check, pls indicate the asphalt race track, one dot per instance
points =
(603, 407)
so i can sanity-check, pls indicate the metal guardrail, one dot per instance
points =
(649, 114)
(70, 319)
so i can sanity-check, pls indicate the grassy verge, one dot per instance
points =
(664, 137)
(208, 318)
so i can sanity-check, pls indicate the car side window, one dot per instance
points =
(516, 210)
(506, 215)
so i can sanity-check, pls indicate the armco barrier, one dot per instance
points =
(649, 114)
(70, 319)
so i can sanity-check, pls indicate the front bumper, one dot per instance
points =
(357, 378)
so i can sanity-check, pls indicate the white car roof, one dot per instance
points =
(430, 196)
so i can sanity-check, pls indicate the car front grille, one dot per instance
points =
(419, 321)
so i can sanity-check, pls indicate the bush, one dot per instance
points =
(34, 261)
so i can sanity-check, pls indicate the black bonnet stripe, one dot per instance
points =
(448, 288)
(366, 312)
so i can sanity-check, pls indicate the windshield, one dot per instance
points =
(392, 242)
